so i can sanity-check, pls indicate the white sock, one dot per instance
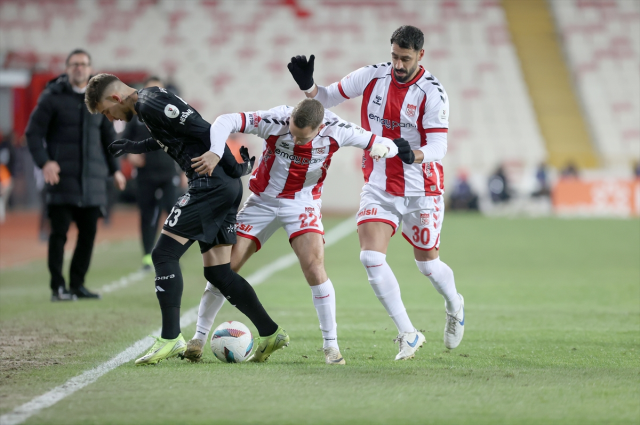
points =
(441, 277)
(210, 304)
(324, 300)
(385, 285)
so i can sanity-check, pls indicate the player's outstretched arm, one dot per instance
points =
(122, 146)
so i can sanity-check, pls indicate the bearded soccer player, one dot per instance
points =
(206, 213)
(299, 145)
(404, 102)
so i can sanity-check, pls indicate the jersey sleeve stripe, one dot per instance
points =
(244, 122)
(436, 130)
(373, 138)
(342, 91)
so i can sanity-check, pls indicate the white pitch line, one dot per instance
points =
(123, 282)
(25, 411)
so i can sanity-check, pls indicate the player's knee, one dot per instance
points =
(167, 250)
(220, 276)
(370, 259)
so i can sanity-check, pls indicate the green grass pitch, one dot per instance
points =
(552, 337)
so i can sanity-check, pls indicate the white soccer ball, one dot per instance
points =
(231, 342)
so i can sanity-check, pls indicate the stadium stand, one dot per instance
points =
(226, 62)
(602, 45)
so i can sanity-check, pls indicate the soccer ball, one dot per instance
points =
(231, 342)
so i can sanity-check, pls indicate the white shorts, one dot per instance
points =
(421, 216)
(260, 217)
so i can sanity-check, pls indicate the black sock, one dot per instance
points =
(241, 295)
(168, 283)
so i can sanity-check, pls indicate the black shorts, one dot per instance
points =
(207, 212)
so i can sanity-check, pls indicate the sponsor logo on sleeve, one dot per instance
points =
(171, 111)
(443, 115)
(411, 110)
(254, 119)
(185, 115)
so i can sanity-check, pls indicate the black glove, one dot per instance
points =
(302, 71)
(122, 146)
(248, 162)
(405, 153)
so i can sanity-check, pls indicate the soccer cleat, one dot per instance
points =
(194, 350)
(163, 349)
(147, 263)
(266, 345)
(332, 356)
(409, 344)
(454, 328)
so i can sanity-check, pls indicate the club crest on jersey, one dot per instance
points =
(319, 151)
(171, 111)
(424, 219)
(411, 110)
(184, 200)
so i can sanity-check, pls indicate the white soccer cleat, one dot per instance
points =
(454, 328)
(409, 344)
(332, 356)
(193, 352)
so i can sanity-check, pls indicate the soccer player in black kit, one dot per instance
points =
(206, 213)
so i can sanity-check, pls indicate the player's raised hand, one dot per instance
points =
(244, 153)
(205, 163)
(405, 153)
(122, 146)
(302, 71)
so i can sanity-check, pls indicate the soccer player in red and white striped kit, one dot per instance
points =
(401, 101)
(299, 144)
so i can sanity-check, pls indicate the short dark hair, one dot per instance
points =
(95, 90)
(77, 52)
(408, 37)
(151, 78)
(308, 113)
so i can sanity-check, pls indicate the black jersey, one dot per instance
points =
(178, 129)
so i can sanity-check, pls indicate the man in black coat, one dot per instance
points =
(69, 144)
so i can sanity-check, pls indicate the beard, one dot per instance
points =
(403, 78)
(128, 116)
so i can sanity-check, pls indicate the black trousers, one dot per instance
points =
(86, 220)
(153, 197)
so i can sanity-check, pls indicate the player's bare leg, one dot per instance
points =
(441, 277)
(309, 247)
(212, 300)
(374, 241)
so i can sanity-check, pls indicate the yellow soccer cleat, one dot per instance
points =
(163, 349)
(266, 345)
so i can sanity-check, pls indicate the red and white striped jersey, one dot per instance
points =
(286, 170)
(417, 111)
